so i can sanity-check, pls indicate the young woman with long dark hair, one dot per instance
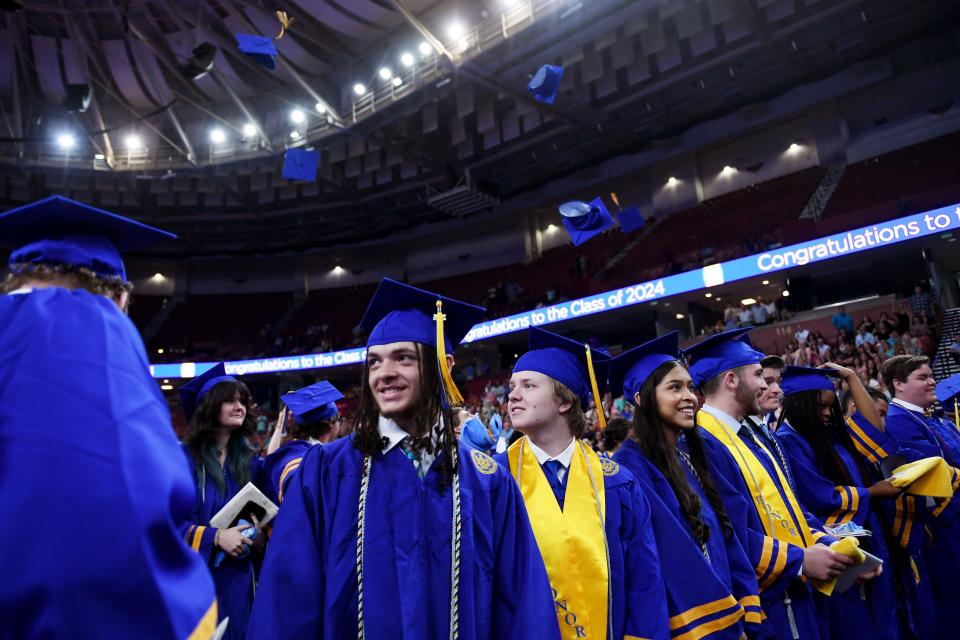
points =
(665, 452)
(831, 485)
(223, 462)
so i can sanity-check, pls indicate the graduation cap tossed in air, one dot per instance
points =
(630, 218)
(545, 83)
(584, 220)
(192, 392)
(262, 49)
(58, 230)
(630, 369)
(299, 164)
(313, 403)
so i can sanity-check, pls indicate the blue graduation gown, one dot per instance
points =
(690, 580)
(870, 609)
(235, 577)
(636, 582)
(921, 437)
(777, 564)
(280, 466)
(309, 584)
(91, 479)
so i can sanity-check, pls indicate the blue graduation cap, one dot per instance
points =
(796, 379)
(260, 49)
(571, 363)
(192, 392)
(948, 393)
(631, 220)
(719, 353)
(630, 369)
(299, 164)
(545, 83)
(313, 403)
(583, 220)
(399, 312)
(58, 230)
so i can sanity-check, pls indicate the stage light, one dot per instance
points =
(672, 182)
(297, 116)
(249, 130)
(321, 109)
(200, 63)
(217, 136)
(455, 30)
(294, 135)
(133, 141)
(406, 58)
(425, 48)
(359, 89)
(385, 73)
(66, 141)
(397, 81)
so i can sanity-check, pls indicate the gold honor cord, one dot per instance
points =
(956, 412)
(596, 390)
(454, 398)
(285, 22)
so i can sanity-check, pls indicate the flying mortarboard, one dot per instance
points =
(630, 369)
(57, 230)
(262, 49)
(192, 392)
(299, 164)
(796, 379)
(630, 218)
(571, 363)
(401, 313)
(545, 83)
(584, 220)
(313, 403)
(719, 353)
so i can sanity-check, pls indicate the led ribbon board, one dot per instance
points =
(826, 248)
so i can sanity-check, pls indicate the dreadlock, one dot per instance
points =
(428, 408)
(803, 411)
(648, 433)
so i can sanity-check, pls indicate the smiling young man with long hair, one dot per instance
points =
(399, 531)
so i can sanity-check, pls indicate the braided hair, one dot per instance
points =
(803, 411)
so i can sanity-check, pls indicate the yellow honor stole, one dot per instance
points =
(572, 541)
(769, 502)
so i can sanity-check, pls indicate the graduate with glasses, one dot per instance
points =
(400, 530)
(711, 587)
(591, 520)
(831, 485)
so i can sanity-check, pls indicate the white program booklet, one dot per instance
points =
(248, 500)
(851, 573)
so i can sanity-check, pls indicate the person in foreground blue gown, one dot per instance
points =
(222, 461)
(90, 469)
(830, 483)
(400, 531)
(315, 421)
(704, 560)
(915, 432)
(604, 570)
(785, 544)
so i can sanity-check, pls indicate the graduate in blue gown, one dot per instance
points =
(830, 483)
(222, 462)
(91, 476)
(785, 544)
(916, 432)
(604, 571)
(704, 560)
(399, 530)
(315, 421)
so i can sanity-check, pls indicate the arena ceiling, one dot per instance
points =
(397, 154)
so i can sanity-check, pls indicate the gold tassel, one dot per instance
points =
(615, 199)
(453, 394)
(285, 22)
(596, 390)
(956, 412)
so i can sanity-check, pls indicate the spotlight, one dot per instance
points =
(385, 73)
(78, 97)
(672, 182)
(249, 130)
(200, 63)
(66, 141)
(551, 228)
(217, 136)
(406, 59)
(337, 270)
(158, 276)
(728, 171)
(455, 30)
(297, 116)
(359, 89)
(793, 148)
(321, 109)
(133, 141)
(397, 81)
(425, 48)
(294, 135)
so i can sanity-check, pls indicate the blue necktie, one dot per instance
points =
(551, 469)
(412, 456)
